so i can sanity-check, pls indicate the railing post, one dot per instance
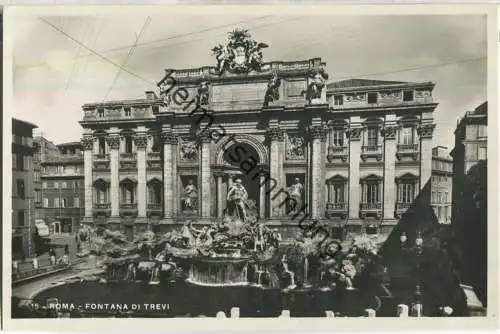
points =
(370, 313)
(235, 312)
(402, 310)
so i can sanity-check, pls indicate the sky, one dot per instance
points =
(54, 76)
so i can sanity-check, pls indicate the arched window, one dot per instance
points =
(371, 189)
(100, 192)
(337, 190)
(154, 192)
(406, 185)
(127, 188)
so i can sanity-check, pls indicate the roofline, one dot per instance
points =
(381, 86)
(34, 126)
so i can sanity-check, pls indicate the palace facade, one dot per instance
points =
(360, 149)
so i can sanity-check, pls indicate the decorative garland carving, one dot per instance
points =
(389, 132)
(354, 133)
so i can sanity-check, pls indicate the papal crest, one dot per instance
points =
(241, 54)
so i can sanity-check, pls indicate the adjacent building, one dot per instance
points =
(23, 227)
(441, 184)
(61, 193)
(43, 148)
(358, 152)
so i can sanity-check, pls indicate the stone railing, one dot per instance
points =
(371, 151)
(410, 150)
(101, 156)
(337, 152)
(154, 155)
(370, 209)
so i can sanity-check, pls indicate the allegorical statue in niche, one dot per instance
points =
(237, 197)
(190, 195)
(315, 84)
(295, 192)
(272, 91)
(203, 93)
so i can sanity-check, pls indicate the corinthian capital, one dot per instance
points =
(87, 143)
(113, 141)
(426, 130)
(318, 132)
(169, 137)
(276, 134)
(354, 133)
(141, 141)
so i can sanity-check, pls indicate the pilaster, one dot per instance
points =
(113, 141)
(425, 132)
(141, 142)
(276, 139)
(354, 134)
(205, 174)
(169, 184)
(220, 199)
(317, 133)
(390, 148)
(88, 146)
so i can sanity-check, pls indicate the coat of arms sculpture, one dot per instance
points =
(240, 55)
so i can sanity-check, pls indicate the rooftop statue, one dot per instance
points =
(240, 55)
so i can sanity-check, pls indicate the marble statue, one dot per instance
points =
(295, 192)
(315, 84)
(190, 195)
(237, 197)
(203, 93)
(295, 148)
(272, 92)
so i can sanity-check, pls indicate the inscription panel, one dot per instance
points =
(294, 88)
(238, 92)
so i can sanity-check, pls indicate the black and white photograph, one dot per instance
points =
(248, 164)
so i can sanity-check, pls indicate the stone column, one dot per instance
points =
(262, 193)
(318, 137)
(276, 137)
(390, 149)
(114, 166)
(354, 159)
(220, 200)
(425, 132)
(169, 140)
(141, 143)
(88, 145)
(205, 175)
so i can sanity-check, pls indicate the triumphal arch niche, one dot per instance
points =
(246, 121)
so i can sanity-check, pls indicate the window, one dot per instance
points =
(372, 136)
(20, 161)
(446, 197)
(20, 188)
(156, 143)
(45, 202)
(100, 112)
(338, 138)
(128, 112)
(433, 198)
(407, 95)
(482, 131)
(75, 185)
(56, 185)
(440, 197)
(372, 98)
(406, 136)
(56, 202)
(36, 176)
(338, 100)
(76, 202)
(338, 193)
(64, 202)
(38, 196)
(406, 191)
(481, 153)
(26, 162)
(14, 161)
(20, 218)
(372, 193)
(127, 193)
(64, 185)
(128, 144)
(44, 185)
(102, 145)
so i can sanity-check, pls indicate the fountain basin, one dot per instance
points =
(212, 271)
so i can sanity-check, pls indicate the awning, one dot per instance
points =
(42, 229)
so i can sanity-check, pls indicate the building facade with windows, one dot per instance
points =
(442, 184)
(43, 149)
(23, 217)
(361, 150)
(61, 195)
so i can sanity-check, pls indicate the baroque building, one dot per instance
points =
(353, 153)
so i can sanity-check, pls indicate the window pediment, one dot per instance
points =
(371, 178)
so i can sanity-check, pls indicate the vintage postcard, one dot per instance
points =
(288, 168)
